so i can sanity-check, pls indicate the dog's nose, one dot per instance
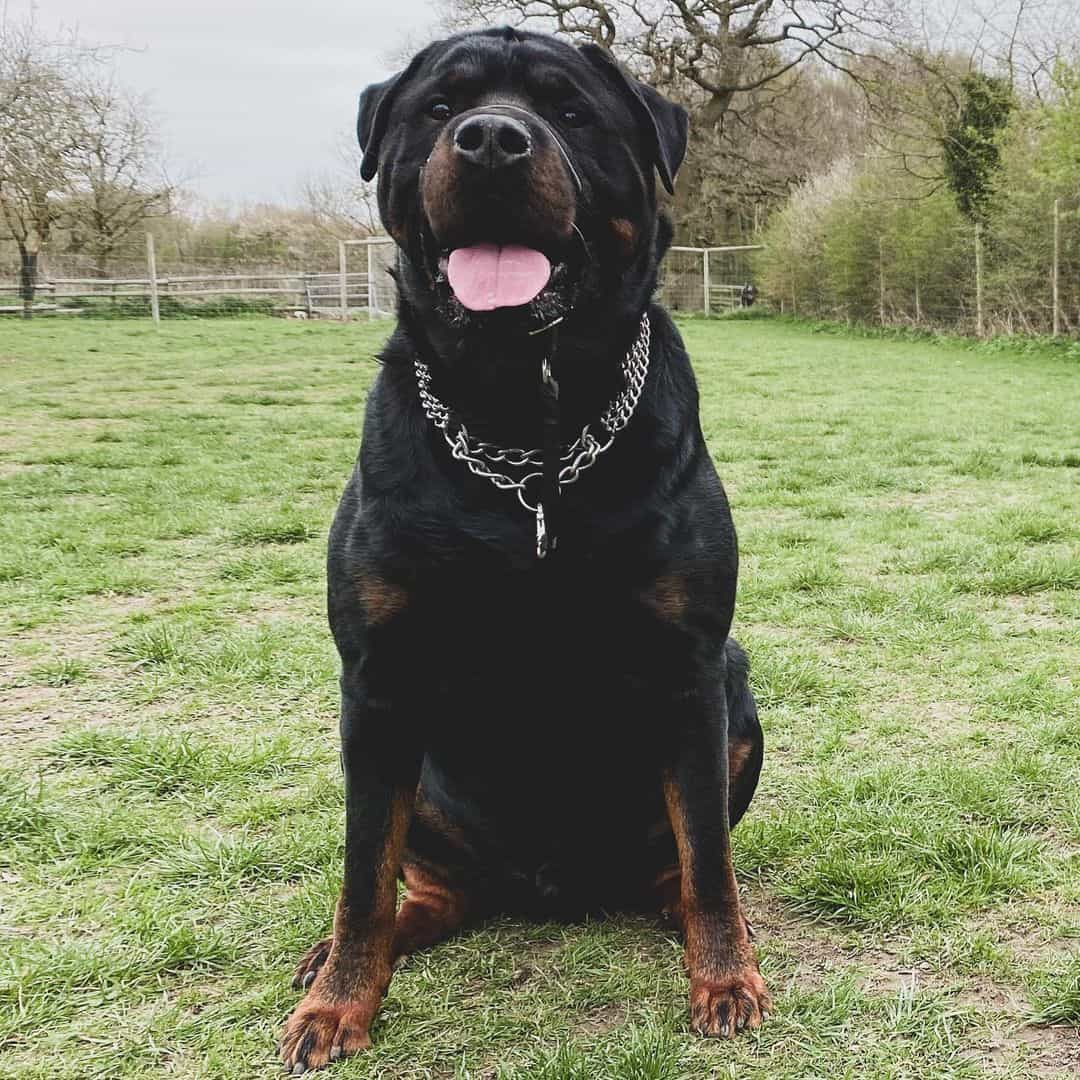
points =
(492, 141)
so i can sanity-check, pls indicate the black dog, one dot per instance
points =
(532, 570)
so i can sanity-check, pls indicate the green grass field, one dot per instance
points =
(170, 804)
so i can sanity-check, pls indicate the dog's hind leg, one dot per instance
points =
(745, 742)
(431, 911)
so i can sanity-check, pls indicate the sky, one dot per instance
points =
(251, 96)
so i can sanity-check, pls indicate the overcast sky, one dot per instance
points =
(251, 94)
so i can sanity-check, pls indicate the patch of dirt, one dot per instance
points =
(29, 714)
(1044, 1052)
(9, 469)
(82, 634)
(1033, 931)
(815, 951)
(1030, 615)
(32, 716)
(600, 1020)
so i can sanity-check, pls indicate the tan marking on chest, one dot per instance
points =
(380, 599)
(668, 596)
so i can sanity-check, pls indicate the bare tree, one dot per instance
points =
(765, 82)
(719, 48)
(119, 179)
(339, 202)
(39, 133)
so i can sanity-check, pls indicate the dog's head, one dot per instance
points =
(516, 172)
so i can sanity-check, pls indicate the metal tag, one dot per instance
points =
(541, 533)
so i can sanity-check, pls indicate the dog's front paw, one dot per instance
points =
(724, 1006)
(321, 1031)
(310, 963)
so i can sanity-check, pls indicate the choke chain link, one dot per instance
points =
(582, 453)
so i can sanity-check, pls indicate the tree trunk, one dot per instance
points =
(28, 263)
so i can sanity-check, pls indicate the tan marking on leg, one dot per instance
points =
(432, 910)
(668, 886)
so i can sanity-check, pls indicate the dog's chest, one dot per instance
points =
(561, 650)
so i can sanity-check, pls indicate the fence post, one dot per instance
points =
(370, 281)
(978, 280)
(881, 278)
(705, 281)
(343, 281)
(151, 270)
(1056, 277)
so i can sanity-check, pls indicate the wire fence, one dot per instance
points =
(708, 280)
(971, 279)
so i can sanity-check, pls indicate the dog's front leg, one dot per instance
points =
(727, 993)
(382, 764)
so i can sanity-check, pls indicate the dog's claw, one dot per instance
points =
(310, 963)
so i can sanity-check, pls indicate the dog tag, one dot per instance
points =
(542, 544)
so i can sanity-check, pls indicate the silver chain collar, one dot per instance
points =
(582, 453)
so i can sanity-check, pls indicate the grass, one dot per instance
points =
(170, 797)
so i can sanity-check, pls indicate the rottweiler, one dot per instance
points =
(532, 568)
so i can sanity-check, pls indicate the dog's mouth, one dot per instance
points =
(480, 279)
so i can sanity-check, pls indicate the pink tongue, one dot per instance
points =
(486, 276)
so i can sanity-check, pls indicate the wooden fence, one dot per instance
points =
(309, 293)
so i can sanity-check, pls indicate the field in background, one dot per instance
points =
(170, 806)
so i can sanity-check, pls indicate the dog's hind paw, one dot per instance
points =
(310, 963)
(722, 1007)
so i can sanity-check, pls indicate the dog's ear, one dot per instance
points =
(375, 104)
(665, 124)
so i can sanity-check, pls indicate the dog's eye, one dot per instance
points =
(440, 110)
(573, 116)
